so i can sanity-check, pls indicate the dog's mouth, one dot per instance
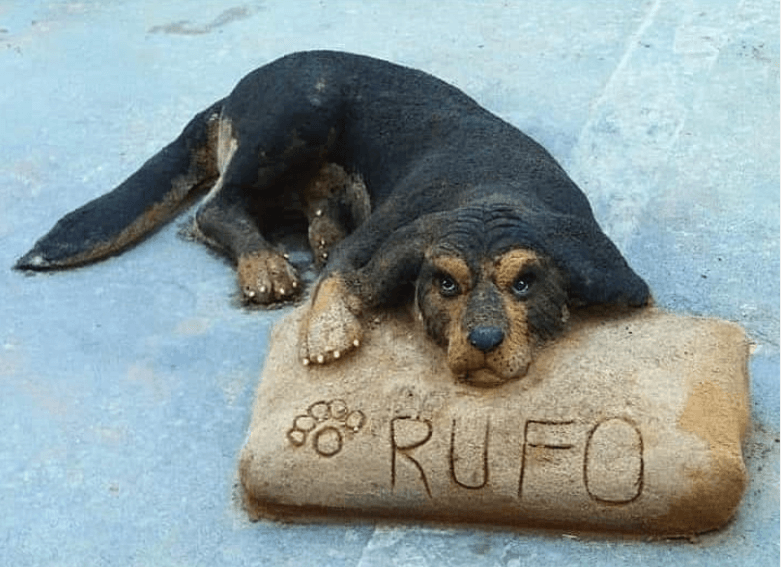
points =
(490, 369)
(482, 378)
(486, 377)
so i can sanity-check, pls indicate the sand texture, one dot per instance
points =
(630, 423)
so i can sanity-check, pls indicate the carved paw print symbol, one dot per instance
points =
(327, 424)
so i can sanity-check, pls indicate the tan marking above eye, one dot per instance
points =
(456, 268)
(510, 264)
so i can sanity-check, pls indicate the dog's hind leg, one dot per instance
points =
(225, 221)
(265, 276)
(335, 204)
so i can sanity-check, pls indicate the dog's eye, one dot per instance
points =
(522, 285)
(447, 286)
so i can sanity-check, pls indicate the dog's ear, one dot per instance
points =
(393, 266)
(596, 270)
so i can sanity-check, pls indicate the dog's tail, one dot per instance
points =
(142, 203)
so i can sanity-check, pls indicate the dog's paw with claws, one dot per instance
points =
(332, 327)
(267, 277)
(324, 234)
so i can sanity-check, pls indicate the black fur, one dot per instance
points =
(438, 169)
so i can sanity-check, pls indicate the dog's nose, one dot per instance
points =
(486, 338)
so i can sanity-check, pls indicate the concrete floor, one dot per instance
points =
(126, 386)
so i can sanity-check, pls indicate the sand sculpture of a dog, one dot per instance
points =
(412, 192)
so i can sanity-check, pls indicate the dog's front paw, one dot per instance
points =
(266, 276)
(331, 328)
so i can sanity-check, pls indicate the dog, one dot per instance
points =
(412, 192)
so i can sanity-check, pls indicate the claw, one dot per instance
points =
(266, 277)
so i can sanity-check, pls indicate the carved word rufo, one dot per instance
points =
(602, 460)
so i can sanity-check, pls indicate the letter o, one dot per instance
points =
(613, 463)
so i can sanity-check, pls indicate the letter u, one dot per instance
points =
(468, 460)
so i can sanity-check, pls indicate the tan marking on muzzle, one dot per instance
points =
(512, 357)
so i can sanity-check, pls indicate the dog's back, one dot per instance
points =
(421, 146)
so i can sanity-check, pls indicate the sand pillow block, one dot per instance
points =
(628, 423)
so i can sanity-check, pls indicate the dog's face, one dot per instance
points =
(489, 312)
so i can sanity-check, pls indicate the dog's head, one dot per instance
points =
(495, 281)
(489, 313)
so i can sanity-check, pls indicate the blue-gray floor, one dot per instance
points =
(126, 387)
